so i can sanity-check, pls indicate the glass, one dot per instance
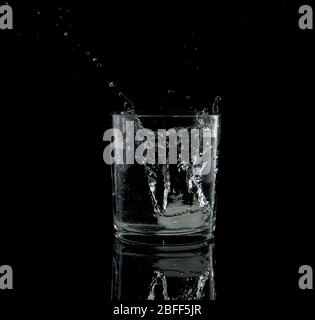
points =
(163, 273)
(164, 176)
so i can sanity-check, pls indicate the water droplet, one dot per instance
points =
(215, 106)
(112, 84)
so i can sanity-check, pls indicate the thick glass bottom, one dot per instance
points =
(164, 237)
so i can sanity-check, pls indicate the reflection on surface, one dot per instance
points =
(162, 273)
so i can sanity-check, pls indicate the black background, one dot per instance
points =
(56, 227)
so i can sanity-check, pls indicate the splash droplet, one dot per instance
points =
(112, 84)
(215, 106)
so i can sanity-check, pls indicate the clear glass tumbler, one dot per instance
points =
(164, 171)
(163, 273)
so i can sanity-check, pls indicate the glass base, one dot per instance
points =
(164, 239)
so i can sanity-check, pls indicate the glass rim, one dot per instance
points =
(172, 114)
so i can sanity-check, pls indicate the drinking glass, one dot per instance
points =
(164, 169)
(163, 273)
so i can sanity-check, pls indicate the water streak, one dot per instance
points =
(158, 280)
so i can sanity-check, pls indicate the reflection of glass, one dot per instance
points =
(172, 191)
(163, 273)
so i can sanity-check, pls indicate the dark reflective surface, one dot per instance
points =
(163, 273)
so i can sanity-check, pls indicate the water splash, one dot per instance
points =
(194, 182)
(167, 184)
(215, 106)
(158, 280)
(201, 284)
(192, 289)
(129, 106)
(152, 181)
